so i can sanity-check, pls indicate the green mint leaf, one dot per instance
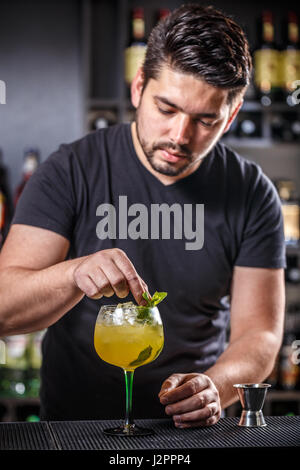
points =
(147, 297)
(143, 313)
(142, 357)
(156, 298)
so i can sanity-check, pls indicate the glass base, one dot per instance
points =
(128, 431)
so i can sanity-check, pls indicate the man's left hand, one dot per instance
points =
(191, 399)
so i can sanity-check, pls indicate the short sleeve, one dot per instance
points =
(263, 244)
(47, 200)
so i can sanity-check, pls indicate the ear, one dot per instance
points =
(233, 115)
(137, 87)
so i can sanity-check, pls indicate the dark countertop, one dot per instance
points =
(280, 432)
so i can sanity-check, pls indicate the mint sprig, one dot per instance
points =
(142, 357)
(156, 298)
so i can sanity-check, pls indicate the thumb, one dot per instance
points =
(170, 383)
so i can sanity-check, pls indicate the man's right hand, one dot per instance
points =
(109, 272)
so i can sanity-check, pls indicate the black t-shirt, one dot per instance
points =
(225, 214)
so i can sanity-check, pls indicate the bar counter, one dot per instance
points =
(281, 432)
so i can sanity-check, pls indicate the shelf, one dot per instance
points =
(248, 106)
(284, 395)
(256, 106)
(240, 142)
(18, 408)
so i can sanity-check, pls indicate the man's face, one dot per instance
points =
(179, 119)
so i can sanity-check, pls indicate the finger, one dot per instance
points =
(208, 422)
(111, 278)
(189, 387)
(145, 289)
(86, 285)
(202, 416)
(195, 402)
(170, 383)
(102, 284)
(133, 279)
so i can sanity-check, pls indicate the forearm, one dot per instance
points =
(248, 359)
(32, 300)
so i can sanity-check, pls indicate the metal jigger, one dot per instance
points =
(252, 397)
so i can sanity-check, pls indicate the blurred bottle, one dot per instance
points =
(31, 161)
(289, 371)
(292, 271)
(285, 127)
(295, 127)
(266, 62)
(248, 125)
(162, 13)
(34, 354)
(290, 209)
(102, 119)
(135, 52)
(290, 56)
(13, 371)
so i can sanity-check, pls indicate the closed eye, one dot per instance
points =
(168, 112)
(165, 111)
(200, 121)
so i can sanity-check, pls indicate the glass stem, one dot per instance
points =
(128, 383)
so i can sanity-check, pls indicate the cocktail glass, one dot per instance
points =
(128, 336)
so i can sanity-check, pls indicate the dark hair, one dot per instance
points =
(201, 41)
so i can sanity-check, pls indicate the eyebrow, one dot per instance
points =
(164, 100)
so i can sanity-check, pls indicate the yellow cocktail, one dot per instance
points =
(128, 346)
(128, 336)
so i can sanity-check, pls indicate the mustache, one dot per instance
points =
(180, 149)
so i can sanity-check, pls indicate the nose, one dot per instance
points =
(181, 129)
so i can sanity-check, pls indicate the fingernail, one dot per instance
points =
(164, 400)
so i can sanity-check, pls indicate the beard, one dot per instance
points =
(165, 168)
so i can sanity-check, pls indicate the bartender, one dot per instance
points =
(86, 233)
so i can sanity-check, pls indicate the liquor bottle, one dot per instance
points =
(290, 57)
(292, 271)
(266, 62)
(34, 355)
(248, 125)
(285, 127)
(135, 52)
(13, 372)
(102, 119)
(162, 14)
(289, 371)
(290, 206)
(30, 163)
